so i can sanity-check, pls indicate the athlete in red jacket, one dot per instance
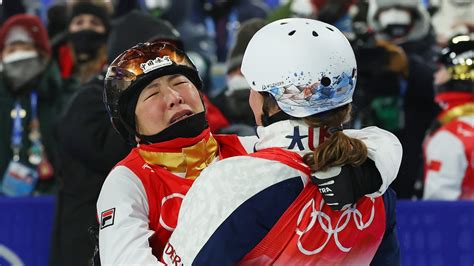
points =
(449, 148)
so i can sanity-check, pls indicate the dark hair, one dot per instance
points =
(338, 149)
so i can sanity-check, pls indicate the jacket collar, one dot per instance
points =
(292, 135)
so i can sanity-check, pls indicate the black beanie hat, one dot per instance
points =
(91, 9)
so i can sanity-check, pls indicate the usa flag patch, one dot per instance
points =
(107, 218)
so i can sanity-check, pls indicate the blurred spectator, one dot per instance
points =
(407, 24)
(233, 99)
(453, 17)
(335, 12)
(90, 147)
(226, 15)
(57, 25)
(449, 147)
(84, 54)
(381, 84)
(30, 99)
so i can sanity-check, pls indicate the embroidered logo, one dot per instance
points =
(296, 139)
(156, 63)
(107, 218)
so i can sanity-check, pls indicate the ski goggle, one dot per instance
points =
(145, 58)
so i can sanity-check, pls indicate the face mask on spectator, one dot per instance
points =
(235, 83)
(86, 43)
(396, 22)
(20, 67)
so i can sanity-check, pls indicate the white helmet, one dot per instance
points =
(307, 65)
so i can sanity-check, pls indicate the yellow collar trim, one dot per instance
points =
(191, 160)
(461, 110)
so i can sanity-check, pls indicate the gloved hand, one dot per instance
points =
(343, 185)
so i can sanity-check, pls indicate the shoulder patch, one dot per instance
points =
(107, 218)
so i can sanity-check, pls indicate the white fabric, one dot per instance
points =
(126, 241)
(448, 149)
(384, 149)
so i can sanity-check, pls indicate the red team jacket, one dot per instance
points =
(163, 193)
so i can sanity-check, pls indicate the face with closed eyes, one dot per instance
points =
(166, 100)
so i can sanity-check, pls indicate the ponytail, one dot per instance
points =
(339, 149)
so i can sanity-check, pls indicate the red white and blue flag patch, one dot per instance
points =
(107, 218)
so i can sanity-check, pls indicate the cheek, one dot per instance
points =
(149, 117)
(193, 99)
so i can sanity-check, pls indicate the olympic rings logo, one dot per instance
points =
(325, 223)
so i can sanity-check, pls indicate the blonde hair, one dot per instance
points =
(339, 149)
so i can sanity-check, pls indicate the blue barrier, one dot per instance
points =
(436, 232)
(431, 233)
(25, 230)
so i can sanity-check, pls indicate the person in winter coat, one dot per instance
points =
(30, 101)
(449, 147)
(81, 50)
(407, 23)
(151, 92)
(278, 205)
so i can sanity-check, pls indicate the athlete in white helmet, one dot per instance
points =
(270, 207)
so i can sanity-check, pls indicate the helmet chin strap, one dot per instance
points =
(187, 128)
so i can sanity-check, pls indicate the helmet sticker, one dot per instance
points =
(155, 63)
(323, 94)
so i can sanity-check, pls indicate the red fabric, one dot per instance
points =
(291, 159)
(434, 166)
(465, 133)
(229, 146)
(311, 233)
(33, 25)
(165, 191)
(214, 116)
(453, 99)
(65, 61)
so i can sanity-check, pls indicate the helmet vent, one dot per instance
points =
(253, 83)
(326, 81)
(329, 29)
(283, 23)
(315, 34)
(292, 32)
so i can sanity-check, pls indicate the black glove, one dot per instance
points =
(343, 185)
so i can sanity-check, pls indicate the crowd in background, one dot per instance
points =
(55, 133)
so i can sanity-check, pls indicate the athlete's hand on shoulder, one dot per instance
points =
(343, 185)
